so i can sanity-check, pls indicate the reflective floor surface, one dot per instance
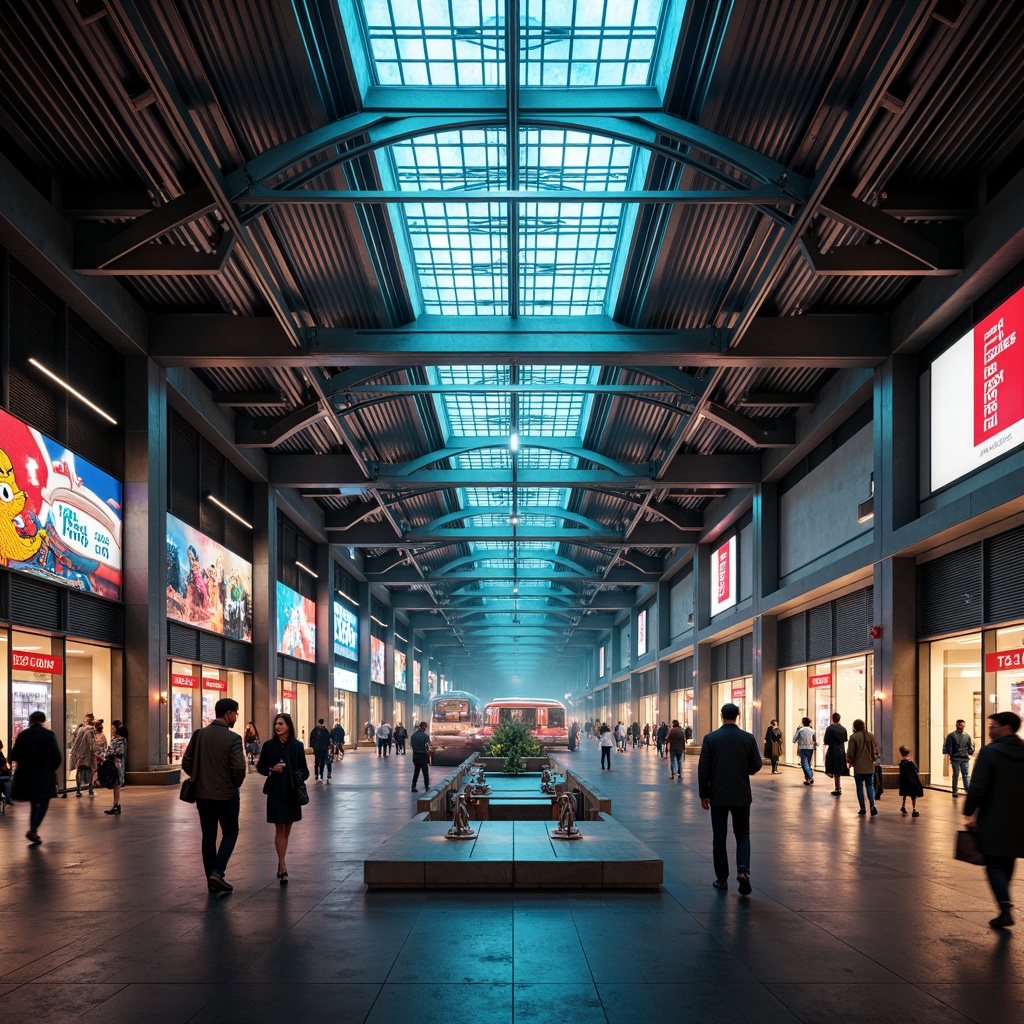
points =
(851, 919)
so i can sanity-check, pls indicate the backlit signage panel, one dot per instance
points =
(723, 577)
(400, 683)
(977, 395)
(346, 680)
(62, 513)
(641, 633)
(376, 660)
(296, 624)
(346, 632)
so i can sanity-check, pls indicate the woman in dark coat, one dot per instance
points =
(835, 753)
(773, 745)
(36, 758)
(283, 762)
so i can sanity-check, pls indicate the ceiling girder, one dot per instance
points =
(378, 535)
(152, 259)
(249, 399)
(692, 472)
(780, 399)
(819, 340)
(775, 434)
(250, 433)
(397, 574)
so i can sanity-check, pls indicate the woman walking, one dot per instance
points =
(835, 739)
(118, 750)
(861, 754)
(283, 762)
(607, 742)
(773, 745)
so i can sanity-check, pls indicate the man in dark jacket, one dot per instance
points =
(728, 757)
(214, 760)
(994, 802)
(420, 743)
(320, 741)
(36, 758)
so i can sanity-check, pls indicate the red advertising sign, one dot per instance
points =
(724, 581)
(214, 684)
(998, 370)
(289, 694)
(1004, 660)
(739, 692)
(50, 664)
(186, 682)
(825, 680)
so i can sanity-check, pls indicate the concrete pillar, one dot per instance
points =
(325, 598)
(895, 429)
(264, 618)
(897, 714)
(664, 671)
(144, 578)
(707, 717)
(363, 696)
(766, 673)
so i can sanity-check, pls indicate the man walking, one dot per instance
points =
(420, 743)
(215, 762)
(36, 758)
(994, 801)
(383, 739)
(337, 747)
(320, 741)
(728, 757)
(958, 748)
(676, 741)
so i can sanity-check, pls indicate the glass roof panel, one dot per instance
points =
(561, 42)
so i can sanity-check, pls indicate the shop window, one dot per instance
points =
(956, 692)
(89, 685)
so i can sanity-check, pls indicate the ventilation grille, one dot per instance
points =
(182, 642)
(793, 640)
(35, 605)
(949, 597)
(854, 613)
(211, 649)
(1004, 577)
(292, 668)
(819, 632)
(732, 659)
(238, 655)
(93, 619)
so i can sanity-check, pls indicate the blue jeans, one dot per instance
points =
(676, 761)
(865, 781)
(211, 814)
(719, 831)
(805, 762)
(959, 768)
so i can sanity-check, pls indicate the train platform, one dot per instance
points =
(851, 919)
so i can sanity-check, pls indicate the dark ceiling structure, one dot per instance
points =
(523, 303)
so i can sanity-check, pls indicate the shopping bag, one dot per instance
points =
(967, 848)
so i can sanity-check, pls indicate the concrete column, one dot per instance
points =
(264, 619)
(363, 696)
(895, 430)
(707, 717)
(766, 541)
(324, 691)
(897, 715)
(664, 691)
(766, 673)
(143, 575)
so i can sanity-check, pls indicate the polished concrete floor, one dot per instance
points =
(851, 919)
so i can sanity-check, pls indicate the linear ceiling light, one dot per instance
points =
(230, 512)
(351, 600)
(67, 387)
(513, 442)
(383, 625)
(306, 568)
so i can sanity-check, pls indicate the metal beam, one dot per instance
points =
(403, 575)
(779, 434)
(249, 399)
(816, 340)
(378, 535)
(873, 260)
(692, 472)
(250, 433)
(155, 260)
(780, 399)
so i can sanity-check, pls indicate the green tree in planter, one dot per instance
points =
(513, 742)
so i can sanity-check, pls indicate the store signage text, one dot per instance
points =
(1003, 660)
(739, 692)
(288, 694)
(214, 684)
(51, 664)
(186, 682)
(815, 681)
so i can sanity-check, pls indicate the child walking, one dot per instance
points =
(910, 782)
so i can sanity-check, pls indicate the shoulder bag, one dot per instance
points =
(188, 786)
(299, 791)
(967, 847)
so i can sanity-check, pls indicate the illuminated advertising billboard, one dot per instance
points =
(723, 577)
(376, 660)
(977, 395)
(346, 632)
(415, 676)
(60, 516)
(641, 633)
(345, 680)
(207, 585)
(400, 683)
(296, 624)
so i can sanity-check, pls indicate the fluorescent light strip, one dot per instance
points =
(383, 625)
(351, 600)
(306, 568)
(67, 387)
(398, 636)
(224, 508)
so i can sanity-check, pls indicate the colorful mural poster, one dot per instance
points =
(60, 516)
(346, 632)
(296, 624)
(376, 660)
(207, 585)
(415, 676)
(400, 683)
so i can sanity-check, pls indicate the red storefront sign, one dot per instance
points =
(1003, 660)
(289, 694)
(186, 682)
(723, 583)
(51, 664)
(816, 681)
(999, 370)
(214, 684)
(739, 692)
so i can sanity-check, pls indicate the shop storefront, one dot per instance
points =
(192, 696)
(818, 690)
(736, 691)
(343, 703)
(296, 699)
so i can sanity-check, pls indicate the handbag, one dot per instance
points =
(879, 788)
(107, 774)
(301, 794)
(967, 847)
(188, 787)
